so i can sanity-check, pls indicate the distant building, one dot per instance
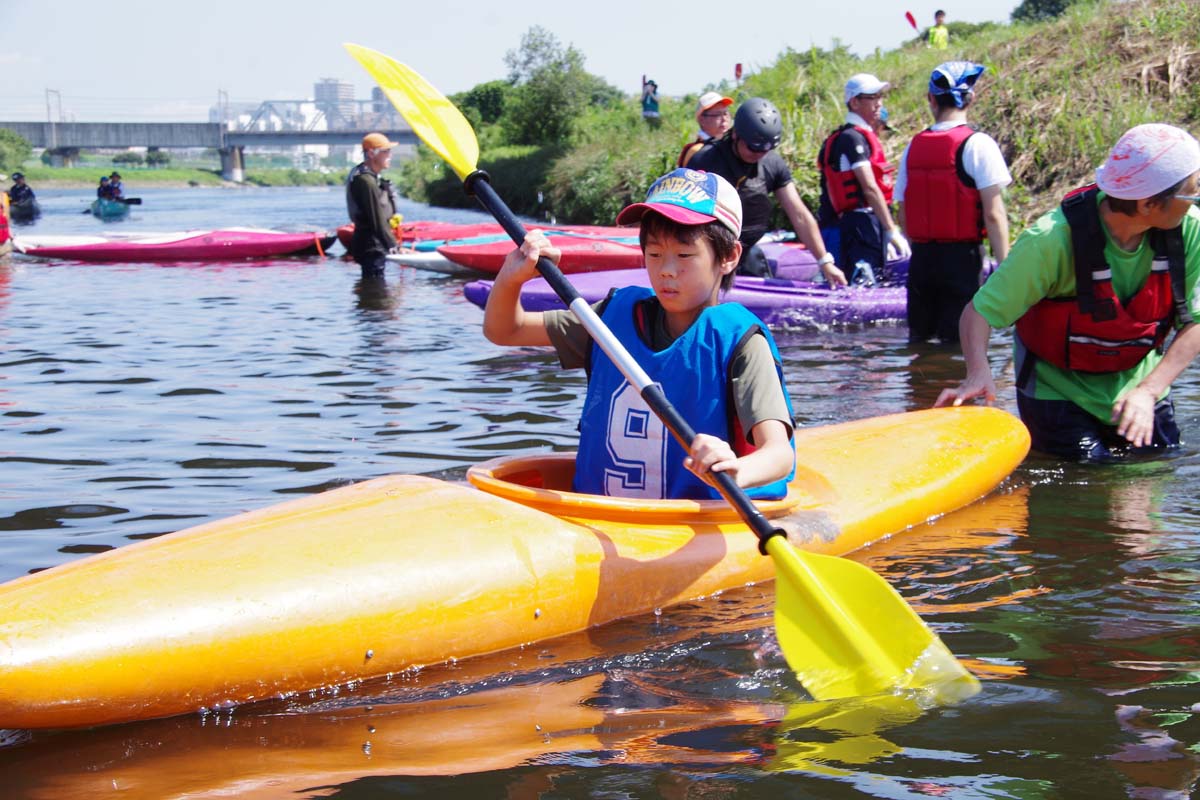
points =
(336, 100)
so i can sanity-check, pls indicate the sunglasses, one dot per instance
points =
(1191, 198)
(714, 114)
(762, 146)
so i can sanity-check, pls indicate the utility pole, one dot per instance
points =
(50, 118)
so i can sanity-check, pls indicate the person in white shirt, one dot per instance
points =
(949, 191)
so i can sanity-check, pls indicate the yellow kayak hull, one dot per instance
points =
(405, 571)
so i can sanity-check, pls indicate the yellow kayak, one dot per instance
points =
(406, 571)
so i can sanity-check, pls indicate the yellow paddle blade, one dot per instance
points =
(433, 118)
(847, 633)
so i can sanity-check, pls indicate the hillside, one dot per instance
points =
(1056, 96)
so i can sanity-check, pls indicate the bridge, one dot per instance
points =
(229, 143)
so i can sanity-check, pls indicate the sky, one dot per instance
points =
(154, 61)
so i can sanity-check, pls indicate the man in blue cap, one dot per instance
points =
(949, 191)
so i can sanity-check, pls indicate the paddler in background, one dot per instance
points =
(104, 190)
(1093, 288)
(115, 187)
(717, 363)
(747, 158)
(371, 206)
(712, 114)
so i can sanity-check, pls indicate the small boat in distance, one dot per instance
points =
(104, 208)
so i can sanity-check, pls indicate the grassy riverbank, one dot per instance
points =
(1056, 96)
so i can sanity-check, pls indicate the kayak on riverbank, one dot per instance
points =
(394, 573)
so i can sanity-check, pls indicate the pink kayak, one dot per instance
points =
(777, 301)
(210, 245)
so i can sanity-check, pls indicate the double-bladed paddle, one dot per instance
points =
(843, 629)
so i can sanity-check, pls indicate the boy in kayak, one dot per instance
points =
(718, 364)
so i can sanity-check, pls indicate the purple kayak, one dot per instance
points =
(778, 302)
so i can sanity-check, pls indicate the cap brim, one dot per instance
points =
(632, 215)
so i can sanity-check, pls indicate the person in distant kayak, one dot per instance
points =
(938, 36)
(104, 190)
(747, 158)
(1094, 288)
(20, 192)
(856, 184)
(371, 205)
(712, 114)
(949, 197)
(717, 363)
(115, 187)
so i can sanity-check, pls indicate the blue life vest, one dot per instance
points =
(624, 449)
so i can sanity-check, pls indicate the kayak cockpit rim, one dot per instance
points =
(543, 481)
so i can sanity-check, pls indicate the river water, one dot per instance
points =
(137, 399)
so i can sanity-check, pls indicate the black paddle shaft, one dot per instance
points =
(478, 185)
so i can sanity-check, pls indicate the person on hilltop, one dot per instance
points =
(938, 36)
(746, 157)
(856, 185)
(712, 114)
(949, 198)
(650, 104)
(1094, 288)
(717, 363)
(371, 206)
(115, 187)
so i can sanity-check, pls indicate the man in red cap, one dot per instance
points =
(712, 113)
(371, 205)
(1094, 288)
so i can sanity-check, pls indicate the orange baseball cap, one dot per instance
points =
(377, 141)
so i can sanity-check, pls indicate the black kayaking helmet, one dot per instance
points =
(757, 124)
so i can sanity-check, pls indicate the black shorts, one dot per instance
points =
(1061, 428)
(942, 279)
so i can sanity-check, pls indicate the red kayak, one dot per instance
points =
(213, 245)
(427, 230)
(579, 254)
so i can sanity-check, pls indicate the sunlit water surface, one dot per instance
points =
(139, 399)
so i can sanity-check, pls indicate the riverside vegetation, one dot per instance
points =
(1057, 94)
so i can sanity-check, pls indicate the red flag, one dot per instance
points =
(737, 72)
(908, 15)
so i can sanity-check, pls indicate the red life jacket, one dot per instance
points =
(1094, 331)
(842, 188)
(690, 149)
(941, 203)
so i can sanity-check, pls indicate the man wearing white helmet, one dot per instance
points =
(1094, 288)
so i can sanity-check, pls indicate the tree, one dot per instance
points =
(1037, 10)
(14, 150)
(157, 158)
(128, 157)
(487, 98)
(551, 90)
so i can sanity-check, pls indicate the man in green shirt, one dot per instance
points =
(1084, 396)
